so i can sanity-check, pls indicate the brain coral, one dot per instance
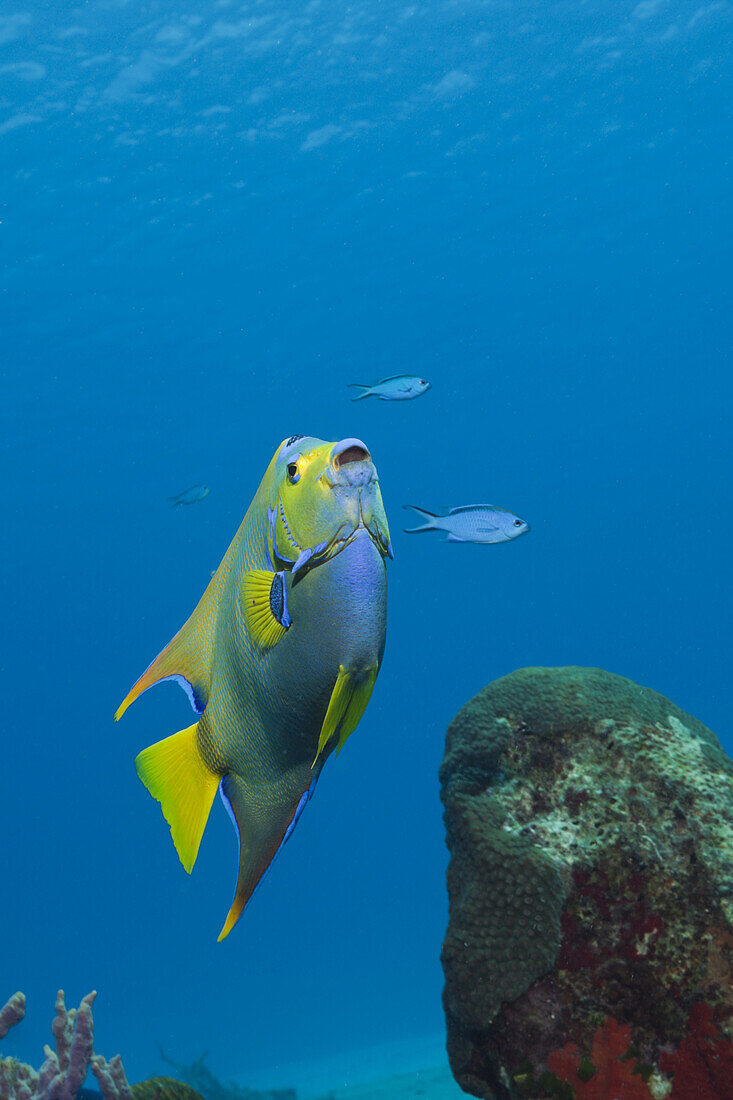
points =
(590, 825)
(164, 1088)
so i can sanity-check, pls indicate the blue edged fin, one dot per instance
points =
(261, 832)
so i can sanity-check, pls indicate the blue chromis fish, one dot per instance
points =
(190, 496)
(400, 387)
(279, 658)
(484, 523)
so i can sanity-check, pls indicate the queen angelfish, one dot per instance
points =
(279, 658)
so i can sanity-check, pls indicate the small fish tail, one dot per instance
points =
(360, 386)
(430, 516)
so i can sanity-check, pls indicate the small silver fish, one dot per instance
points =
(190, 496)
(400, 387)
(482, 523)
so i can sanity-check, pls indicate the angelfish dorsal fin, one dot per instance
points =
(349, 698)
(187, 657)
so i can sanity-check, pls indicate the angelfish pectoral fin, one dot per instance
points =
(264, 601)
(261, 830)
(348, 702)
(174, 772)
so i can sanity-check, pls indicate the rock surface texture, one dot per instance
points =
(589, 950)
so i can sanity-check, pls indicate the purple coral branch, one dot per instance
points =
(11, 1013)
(63, 1030)
(48, 1071)
(63, 1071)
(81, 1051)
(110, 1075)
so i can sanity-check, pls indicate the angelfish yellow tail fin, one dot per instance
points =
(174, 772)
(349, 699)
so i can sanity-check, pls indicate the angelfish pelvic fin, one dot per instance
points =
(174, 772)
(349, 698)
(263, 598)
(261, 831)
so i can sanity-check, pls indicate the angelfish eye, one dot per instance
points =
(293, 474)
(517, 523)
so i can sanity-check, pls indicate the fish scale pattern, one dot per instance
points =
(232, 710)
(259, 737)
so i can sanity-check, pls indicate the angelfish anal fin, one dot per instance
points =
(349, 698)
(261, 829)
(174, 772)
(263, 597)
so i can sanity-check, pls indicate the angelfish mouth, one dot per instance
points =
(351, 454)
(349, 450)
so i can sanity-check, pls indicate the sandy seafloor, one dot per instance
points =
(431, 1084)
(398, 1070)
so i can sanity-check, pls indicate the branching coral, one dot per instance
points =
(63, 1071)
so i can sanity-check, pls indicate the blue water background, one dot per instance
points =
(214, 217)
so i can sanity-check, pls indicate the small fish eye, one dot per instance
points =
(517, 523)
(293, 472)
